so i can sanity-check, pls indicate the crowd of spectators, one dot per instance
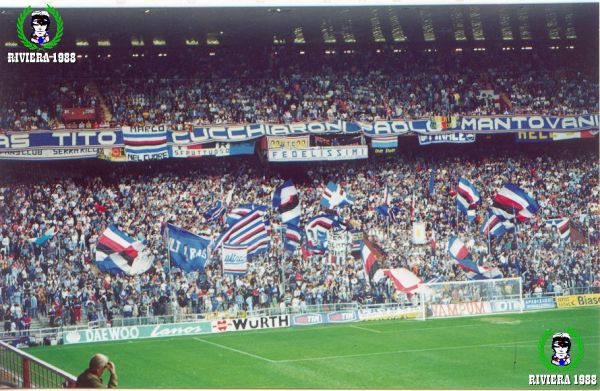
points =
(59, 281)
(237, 87)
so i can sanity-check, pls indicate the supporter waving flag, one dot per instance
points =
(287, 202)
(215, 213)
(334, 196)
(49, 234)
(511, 201)
(117, 253)
(467, 198)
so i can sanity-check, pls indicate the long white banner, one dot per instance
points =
(314, 154)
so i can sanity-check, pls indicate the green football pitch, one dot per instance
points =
(498, 351)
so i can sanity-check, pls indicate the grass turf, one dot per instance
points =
(475, 352)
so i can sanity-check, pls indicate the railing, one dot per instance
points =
(19, 369)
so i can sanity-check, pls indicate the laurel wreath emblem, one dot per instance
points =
(53, 42)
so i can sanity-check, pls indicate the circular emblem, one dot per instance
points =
(560, 350)
(73, 337)
(39, 39)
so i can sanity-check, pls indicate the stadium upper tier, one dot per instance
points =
(284, 86)
(81, 205)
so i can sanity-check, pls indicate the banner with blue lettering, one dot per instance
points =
(187, 250)
(450, 138)
(235, 259)
(159, 141)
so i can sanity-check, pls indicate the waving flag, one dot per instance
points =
(287, 202)
(467, 198)
(249, 231)
(292, 238)
(237, 213)
(187, 250)
(117, 253)
(216, 212)
(496, 226)
(476, 272)
(457, 249)
(513, 201)
(318, 229)
(334, 196)
(563, 225)
(369, 254)
(49, 234)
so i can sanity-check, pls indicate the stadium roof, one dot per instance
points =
(472, 23)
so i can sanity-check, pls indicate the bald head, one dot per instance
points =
(98, 361)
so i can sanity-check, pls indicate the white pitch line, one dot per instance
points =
(235, 350)
(366, 329)
(503, 344)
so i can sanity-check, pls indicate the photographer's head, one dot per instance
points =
(98, 363)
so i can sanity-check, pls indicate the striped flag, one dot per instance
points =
(145, 142)
(512, 201)
(237, 213)
(249, 231)
(117, 253)
(496, 226)
(467, 198)
(369, 254)
(563, 225)
(292, 238)
(457, 249)
(287, 202)
(385, 142)
(334, 196)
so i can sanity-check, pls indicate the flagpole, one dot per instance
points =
(170, 276)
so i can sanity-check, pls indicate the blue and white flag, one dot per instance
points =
(187, 250)
(495, 226)
(385, 142)
(334, 196)
(146, 142)
(467, 198)
(117, 253)
(49, 234)
(287, 202)
(235, 259)
(215, 213)
(319, 228)
(237, 213)
(563, 226)
(292, 238)
(511, 201)
(249, 231)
